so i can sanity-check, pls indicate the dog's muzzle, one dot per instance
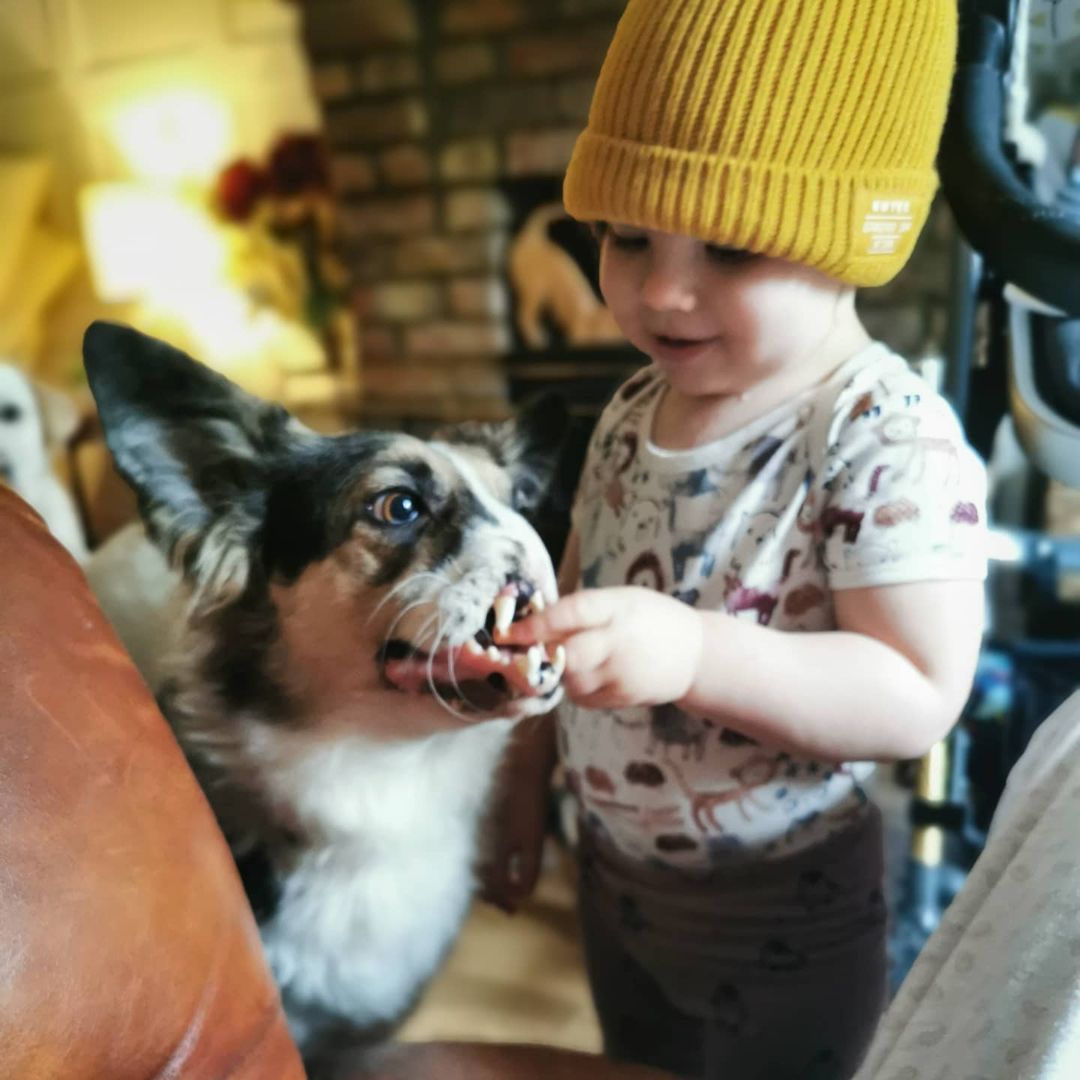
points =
(482, 673)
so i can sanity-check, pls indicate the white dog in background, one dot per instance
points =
(34, 421)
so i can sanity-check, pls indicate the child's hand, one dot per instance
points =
(624, 646)
(518, 816)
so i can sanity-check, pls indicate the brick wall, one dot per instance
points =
(429, 105)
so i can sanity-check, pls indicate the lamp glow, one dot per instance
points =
(174, 135)
(147, 242)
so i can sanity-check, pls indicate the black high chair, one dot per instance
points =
(1018, 260)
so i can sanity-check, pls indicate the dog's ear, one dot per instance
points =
(195, 448)
(535, 438)
(527, 447)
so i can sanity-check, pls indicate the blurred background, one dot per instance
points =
(352, 207)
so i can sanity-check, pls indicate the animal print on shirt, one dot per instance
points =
(863, 480)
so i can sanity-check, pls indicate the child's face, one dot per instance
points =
(714, 320)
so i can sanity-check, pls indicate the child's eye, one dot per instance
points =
(728, 256)
(628, 241)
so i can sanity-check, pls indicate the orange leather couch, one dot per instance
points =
(127, 950)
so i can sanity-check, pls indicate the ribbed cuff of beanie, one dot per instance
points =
(858, 229)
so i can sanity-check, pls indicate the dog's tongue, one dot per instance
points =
(531, 673)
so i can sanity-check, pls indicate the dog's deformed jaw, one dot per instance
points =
(484, 673)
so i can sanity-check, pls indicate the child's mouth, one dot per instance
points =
(668, 347)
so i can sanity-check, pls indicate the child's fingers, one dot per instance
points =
(586, 663)
(566, 617)
(587, 652)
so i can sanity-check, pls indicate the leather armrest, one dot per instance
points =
(127, 948)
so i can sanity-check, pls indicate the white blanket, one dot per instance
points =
(995, 994)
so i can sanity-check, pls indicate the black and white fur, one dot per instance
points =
(357, 845)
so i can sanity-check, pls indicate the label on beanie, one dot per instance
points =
(885, 224)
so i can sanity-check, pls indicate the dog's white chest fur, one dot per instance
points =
(370, 907)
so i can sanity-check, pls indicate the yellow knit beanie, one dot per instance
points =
(801, 129)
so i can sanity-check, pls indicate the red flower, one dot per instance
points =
(298, 163)
(239, 188)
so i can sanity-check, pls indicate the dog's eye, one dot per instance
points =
(395, 508)
(9, 414)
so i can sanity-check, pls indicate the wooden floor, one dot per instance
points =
(516, 978)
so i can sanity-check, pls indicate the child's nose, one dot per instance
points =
(669, 288)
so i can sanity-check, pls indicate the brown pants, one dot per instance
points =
(769, 971)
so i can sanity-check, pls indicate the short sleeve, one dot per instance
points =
(903, 495)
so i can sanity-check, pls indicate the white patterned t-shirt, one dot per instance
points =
(863, 480)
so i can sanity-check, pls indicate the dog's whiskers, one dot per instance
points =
(439, 635)
(399, 617)
(403, 585)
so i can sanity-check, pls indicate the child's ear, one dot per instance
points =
(59, 415)
(196, 449)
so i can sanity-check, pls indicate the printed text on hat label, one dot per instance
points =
(882, 224)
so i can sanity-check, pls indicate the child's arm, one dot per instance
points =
(887, 685)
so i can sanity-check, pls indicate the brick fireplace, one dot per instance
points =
(431, 107)
(440, 113)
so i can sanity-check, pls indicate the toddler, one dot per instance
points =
(775, 570)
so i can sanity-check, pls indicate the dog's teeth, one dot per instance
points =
(533, 659)
(559, 662)
(493, 653)
(522, 664)
(474, 647)
(538, 601)
(504, 612)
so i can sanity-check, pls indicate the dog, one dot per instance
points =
(340, 690)
(35, 421)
